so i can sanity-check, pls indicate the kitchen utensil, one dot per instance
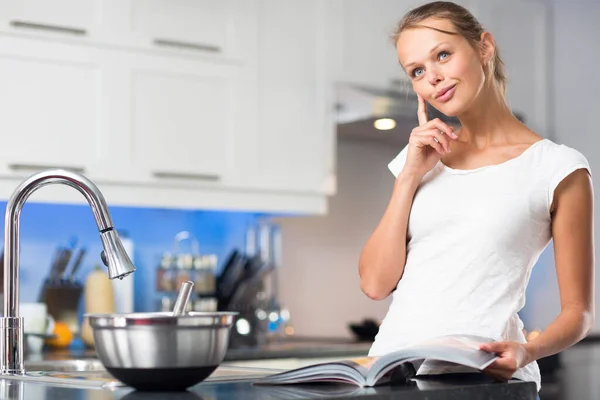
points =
(182, 298)
(76, 264)
(230, 278)
(159, 351)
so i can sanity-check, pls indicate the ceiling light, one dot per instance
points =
(384, 124)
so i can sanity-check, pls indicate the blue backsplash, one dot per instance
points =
(46, 226)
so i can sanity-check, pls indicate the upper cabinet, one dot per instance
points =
(192, 27)
(56, 19)
(201, 25)
(52, 107)
(195, 104)
(189, 28)
(296, 64)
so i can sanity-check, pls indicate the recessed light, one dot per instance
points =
(384, 124)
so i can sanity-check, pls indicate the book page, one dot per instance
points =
(458, 349)
(350, 371)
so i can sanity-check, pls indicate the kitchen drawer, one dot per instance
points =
(53, 19)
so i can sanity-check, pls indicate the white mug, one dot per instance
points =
(36, 320)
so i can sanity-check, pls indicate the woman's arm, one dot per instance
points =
(573, 236)
(382, 260)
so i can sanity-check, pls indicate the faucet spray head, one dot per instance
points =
(114, 255)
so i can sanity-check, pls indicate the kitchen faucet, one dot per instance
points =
(114, 255)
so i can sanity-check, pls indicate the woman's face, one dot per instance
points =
(444, 69)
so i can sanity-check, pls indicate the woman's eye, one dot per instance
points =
(417, 72)
(443, 55)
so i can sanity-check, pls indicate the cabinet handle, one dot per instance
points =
(39, 167)
(48, 27)
(187, 45)
(186, 175)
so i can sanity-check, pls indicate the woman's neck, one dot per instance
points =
(488, 121)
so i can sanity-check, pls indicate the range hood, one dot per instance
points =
(359, 106)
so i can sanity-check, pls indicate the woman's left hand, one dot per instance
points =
(512, 356)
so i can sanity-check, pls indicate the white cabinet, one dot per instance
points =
(55, 18)
(211, 29)
(195, 104)
(51, 101)
(204, 28)
(181, 122)
(296, 134)
(200, 24)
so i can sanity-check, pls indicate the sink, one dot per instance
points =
(90, 373)
(87, 365)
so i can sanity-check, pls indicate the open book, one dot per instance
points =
(372, 371)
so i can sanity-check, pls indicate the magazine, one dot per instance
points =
(396, 366)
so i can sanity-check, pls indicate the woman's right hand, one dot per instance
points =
(428, 143)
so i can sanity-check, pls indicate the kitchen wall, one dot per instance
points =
(576, 85)
(319, 277)
(45, 226)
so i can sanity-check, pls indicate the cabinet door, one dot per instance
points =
(295, 143)
(521, 32)
(51, 100)
(67, 18)
(204, 27)
(182, 118)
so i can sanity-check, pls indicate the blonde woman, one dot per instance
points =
(473, 208)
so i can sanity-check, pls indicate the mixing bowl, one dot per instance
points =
(160, 351)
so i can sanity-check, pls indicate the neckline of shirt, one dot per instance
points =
(491, 166)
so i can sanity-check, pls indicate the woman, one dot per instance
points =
(472, 209)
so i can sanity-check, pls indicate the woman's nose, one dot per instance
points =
(433, 76)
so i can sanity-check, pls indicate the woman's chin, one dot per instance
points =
(450, 110)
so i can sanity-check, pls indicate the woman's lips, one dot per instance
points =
(446, 95)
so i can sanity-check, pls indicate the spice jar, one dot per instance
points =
(204, 274)
(165, 274)
(184, 269)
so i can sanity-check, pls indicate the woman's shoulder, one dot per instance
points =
(559, 154)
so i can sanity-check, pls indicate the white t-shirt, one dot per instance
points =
(473, 237)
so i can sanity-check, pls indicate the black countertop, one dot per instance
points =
(474, 387)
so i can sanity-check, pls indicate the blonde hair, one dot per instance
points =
(466, 26)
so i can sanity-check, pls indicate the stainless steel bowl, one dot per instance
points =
(159, 351)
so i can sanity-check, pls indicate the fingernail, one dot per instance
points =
(454, 135)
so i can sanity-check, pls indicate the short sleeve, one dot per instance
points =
(567, 161)
(397, 163)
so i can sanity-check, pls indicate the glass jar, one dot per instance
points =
(204, 275)
(184, 269)
(165, 274)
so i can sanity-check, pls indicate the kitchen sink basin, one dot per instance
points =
(87, 365)
(90, 373)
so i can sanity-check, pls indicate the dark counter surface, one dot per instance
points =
(475, 387)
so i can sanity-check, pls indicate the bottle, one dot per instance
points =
(99, 298)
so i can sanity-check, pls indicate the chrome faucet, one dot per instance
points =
(114, 256)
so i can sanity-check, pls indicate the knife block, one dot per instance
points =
(63, 301)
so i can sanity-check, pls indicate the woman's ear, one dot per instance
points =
(488, 48)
